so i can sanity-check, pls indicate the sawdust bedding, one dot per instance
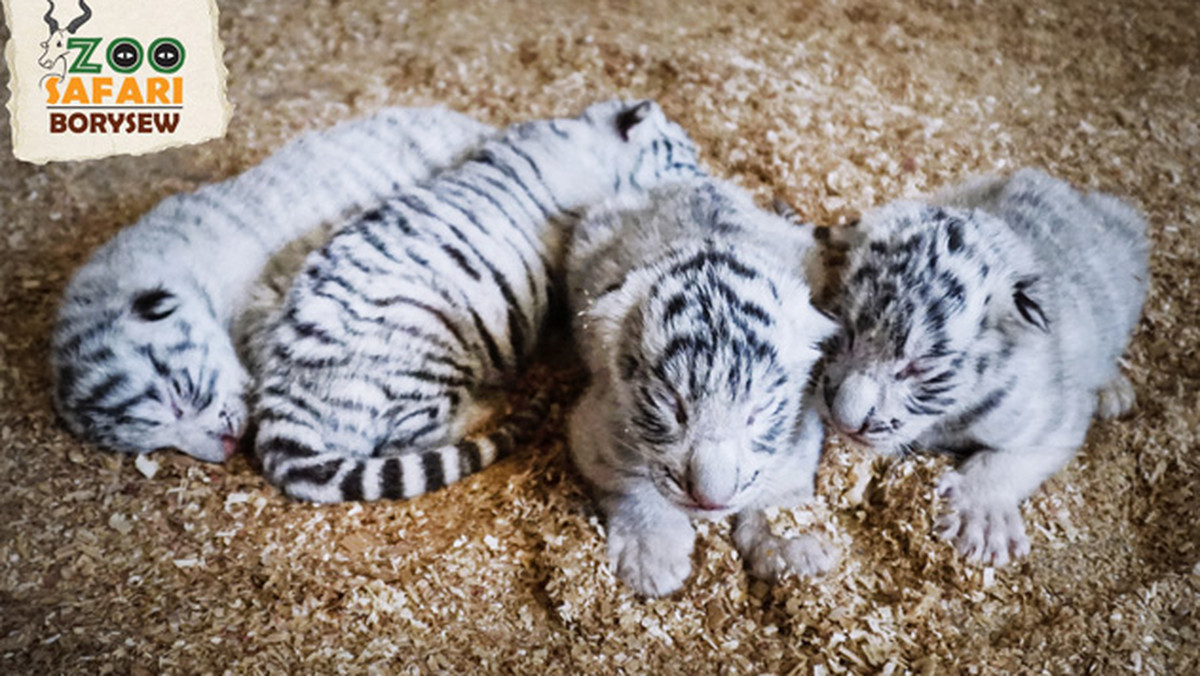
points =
(170, 565)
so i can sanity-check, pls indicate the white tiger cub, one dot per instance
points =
(141, 352)
(694, 318)
(377, 366)
(988, 322)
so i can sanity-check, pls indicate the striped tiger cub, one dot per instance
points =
(988, 322)
(693, 315)
(141, 352)
(378, 367)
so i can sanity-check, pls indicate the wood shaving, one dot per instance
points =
(837, 106)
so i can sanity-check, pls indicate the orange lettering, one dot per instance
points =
(101, 89)
(130, 92)
(76, 93)
(52, 91)
(156, 91)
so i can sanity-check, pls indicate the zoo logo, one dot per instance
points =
(67, 83)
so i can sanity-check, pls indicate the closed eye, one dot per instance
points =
(671, 477)
(911, 370)
(750, 481)
(681, 415)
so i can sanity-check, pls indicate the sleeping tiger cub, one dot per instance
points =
(694, 318)
(376, 369)
(988, 322)
(141, 353)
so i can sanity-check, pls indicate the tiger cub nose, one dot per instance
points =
(852, 404)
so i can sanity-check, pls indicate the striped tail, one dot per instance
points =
(304, 473)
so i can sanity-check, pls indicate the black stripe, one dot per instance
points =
(537, 172)
(391, 480)
(95, 358)
(459, 258)
(209, 391)
(105, 388)
(715, 258)
(675, 306)
(421, 305)
(987, 405)
(102, 325)
(286, 447)
(434, 426)
(470, 460)
(376, 243)
(756, 311)
(533, 246)
(490, 160)
(310, 329)
(352, 484)
(503, 441)
(315, 474)
(430, 377)
(291, 399)
(488, 341)
(435, 478)
(119, 408)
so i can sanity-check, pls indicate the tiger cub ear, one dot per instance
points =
(1025, 299)
(630, 117)
(152, 305)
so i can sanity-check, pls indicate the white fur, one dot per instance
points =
(1054, 282)
(620, 283)
(205, 250)
(386, 344)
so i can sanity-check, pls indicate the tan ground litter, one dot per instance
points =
(841, 105)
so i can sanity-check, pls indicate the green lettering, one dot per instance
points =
(83, 63)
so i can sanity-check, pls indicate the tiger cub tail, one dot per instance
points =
(304, 473)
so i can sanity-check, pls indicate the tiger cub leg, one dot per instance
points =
(431, 423)
(983, 498)
(1115, 398)
(473, 415)
(650, 542)
(770, 557)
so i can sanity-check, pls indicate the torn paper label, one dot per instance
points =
(92, 78)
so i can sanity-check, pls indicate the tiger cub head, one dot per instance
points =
(935, 305)
(148, 366)
(708, 371)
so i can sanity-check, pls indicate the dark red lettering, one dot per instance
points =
(166, 122)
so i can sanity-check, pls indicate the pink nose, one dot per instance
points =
(230, 444)
(703, 503)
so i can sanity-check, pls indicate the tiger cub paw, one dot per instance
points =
(653, 563)
(1115, 399)
(987, 531)
(771, 558)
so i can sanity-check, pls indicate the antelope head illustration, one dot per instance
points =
(55, 46)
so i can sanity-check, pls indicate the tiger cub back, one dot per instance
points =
(141, 352)
(379, 366)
